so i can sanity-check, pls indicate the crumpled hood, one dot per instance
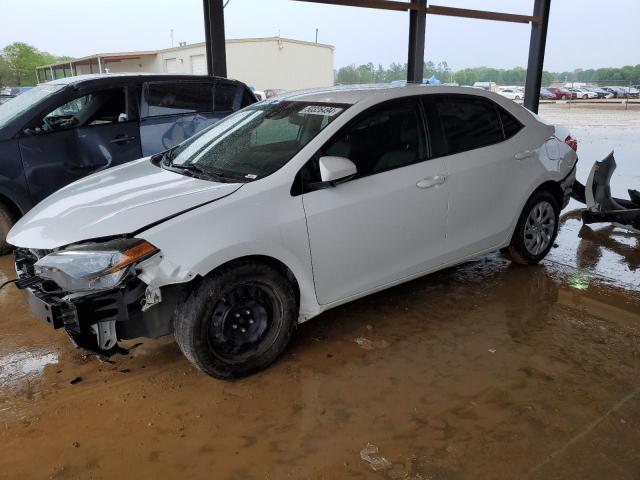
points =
(117, 201)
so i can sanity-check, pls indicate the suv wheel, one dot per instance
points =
(536, 230)
(6, 222)
(237, 321)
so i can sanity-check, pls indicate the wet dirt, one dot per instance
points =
(486, 370)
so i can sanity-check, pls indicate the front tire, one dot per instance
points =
(6, 222)
(237, 321)
(536, 230)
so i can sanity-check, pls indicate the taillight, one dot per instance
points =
(572, 142)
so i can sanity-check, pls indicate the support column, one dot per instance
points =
(536, 54)
(417, 28)
(214, 37)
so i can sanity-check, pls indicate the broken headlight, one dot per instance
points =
(94, 266)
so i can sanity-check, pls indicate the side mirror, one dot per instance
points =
(122, 118)
(335, 169)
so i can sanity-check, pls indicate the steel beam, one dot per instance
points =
(536, 55)
(379, 4)
(214, 37)
(480, 14)
(417, 27)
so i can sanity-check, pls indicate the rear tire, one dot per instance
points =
(536, 230)
(237, 321)
(6, 222)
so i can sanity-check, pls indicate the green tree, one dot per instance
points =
(19, 62)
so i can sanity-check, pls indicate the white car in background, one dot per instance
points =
(511, 94)
(288, 208)
(583, 93)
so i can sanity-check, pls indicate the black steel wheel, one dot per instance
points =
(238, 320)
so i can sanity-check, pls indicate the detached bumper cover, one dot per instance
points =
(601, 206)
(82, 314)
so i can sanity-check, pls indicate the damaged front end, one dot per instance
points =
(601, 206)
(94, 292)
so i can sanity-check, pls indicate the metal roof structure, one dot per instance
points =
(418, 11)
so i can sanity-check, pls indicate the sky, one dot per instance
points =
(582, 33)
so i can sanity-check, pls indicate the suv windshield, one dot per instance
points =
(20, 104)
(256, 141)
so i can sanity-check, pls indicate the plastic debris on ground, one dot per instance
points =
(377, 462)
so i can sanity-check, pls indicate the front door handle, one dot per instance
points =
(524, 154)
(429, 182)
(122, 139)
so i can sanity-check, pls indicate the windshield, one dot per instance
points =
(20, 104)
(257, 140)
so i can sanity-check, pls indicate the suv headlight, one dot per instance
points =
(93, 266)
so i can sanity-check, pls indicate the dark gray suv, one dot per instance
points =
(63, 130)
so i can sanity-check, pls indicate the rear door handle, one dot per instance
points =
(123, 139)
(524, 154)
(429, 182)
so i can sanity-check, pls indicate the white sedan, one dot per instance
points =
(511, 93)
(584, 94)
(288, 208)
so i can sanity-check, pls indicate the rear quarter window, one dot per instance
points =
(510, 125)
(224, 96)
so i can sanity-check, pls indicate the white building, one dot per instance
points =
(263, 63)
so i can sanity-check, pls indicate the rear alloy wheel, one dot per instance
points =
(237, 321)
(536, 230)
(6, 222)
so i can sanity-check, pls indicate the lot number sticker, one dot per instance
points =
(324, 110)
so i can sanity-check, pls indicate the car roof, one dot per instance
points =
(105, 77)
(352, 94)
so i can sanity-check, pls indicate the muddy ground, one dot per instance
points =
(486, 370)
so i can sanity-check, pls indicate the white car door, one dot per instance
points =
(388, 222)
(490, 166)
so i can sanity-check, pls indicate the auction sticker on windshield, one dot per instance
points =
(324, 110)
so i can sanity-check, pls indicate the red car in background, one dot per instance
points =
(562, 93)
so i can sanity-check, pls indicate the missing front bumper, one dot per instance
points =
(96, 321)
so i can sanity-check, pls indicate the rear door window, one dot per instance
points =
(468, 122)
(177, 98)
